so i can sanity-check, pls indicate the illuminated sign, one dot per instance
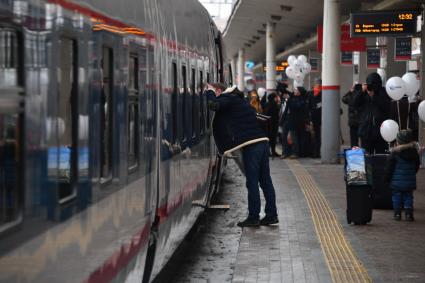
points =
(383, 23)
(403, 49)
(249, 64)
(279, 68)
(373, 58)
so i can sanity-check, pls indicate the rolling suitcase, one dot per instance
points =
(382, 194)
(358, 190)
(359, 204)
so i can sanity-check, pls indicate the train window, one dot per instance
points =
(67, 123)
(106, 110)
(133, 113)
(11, 124)
(230, 75)
(184, 114)
(195, 107)
(174, 102)
(201, 104)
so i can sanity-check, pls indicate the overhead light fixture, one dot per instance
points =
(261, 31)
(256, 37)
(264, 25)
(286, 8)
(252, 41)
(275, 17)
(247, 45)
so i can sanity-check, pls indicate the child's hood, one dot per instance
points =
(406, 153)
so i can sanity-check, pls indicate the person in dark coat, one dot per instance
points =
(353, 113)
(402, 166)
(272, 110)
(297, 118)
(285, 95)
(235, 127)
(375, 105)
(315, 108)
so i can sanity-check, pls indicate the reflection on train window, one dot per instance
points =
(174, 102)
(8, 58)
(201, 104)
(133, 113)
(106, 114)
(67, 122)
(184, 114)
(11, 181)
(195, 114)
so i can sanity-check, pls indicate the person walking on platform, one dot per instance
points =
(235, 127)
(272, 110)
(376, 105)
(402, 166)
(315, 107)
(297, 119)
(353, 113)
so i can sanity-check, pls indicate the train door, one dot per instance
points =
(11, 129)
(63, 127)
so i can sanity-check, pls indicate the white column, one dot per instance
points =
(233, 64)
(330, 82)
(270, 57)
(422, 76)
(241, 69)
(382, 42)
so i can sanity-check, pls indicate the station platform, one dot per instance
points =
(314, 243)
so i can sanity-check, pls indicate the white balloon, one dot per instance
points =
(412, 83)
(395, 88)
(421, 110)
(306, 68)
(291, 60)
(290, 72)
(297, 65)
(297, 84)
(261, 92)
(299, 77)
(389, 130)
(302, 58)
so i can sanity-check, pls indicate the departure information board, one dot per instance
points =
(383, 23)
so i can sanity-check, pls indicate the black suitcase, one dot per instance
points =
(382, 194)
(359, 204)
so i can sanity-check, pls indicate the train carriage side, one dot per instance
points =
(105, 139)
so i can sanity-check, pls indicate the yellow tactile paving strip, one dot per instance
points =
(342, 262)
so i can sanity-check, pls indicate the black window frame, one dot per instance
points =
(174, 101)
(183, 136)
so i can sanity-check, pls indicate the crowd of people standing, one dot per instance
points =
(296, 116)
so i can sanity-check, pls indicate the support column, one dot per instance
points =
(330, 81)
(422, 76)
(241, 69)
(233, 64)
(270, 57)
(382, 42)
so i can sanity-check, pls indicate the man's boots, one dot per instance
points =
(397, 214)
(409, 214)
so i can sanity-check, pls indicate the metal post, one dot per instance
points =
(241, 69)
(233, 64)
(330, 80)
(270, 57)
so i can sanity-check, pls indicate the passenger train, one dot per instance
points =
(106, 152)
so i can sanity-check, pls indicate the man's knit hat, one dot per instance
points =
(404, 136)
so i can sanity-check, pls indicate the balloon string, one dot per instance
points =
(398, 110)
(408, 114)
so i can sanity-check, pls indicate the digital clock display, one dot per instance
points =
(383, 23)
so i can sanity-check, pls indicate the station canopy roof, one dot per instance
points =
(296, 20)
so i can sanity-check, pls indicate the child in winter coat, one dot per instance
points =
(402, 166)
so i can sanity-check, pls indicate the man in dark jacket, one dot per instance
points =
(375, 105)
(400, 173)
(297, 119)
(353, 113)
(235, 127)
